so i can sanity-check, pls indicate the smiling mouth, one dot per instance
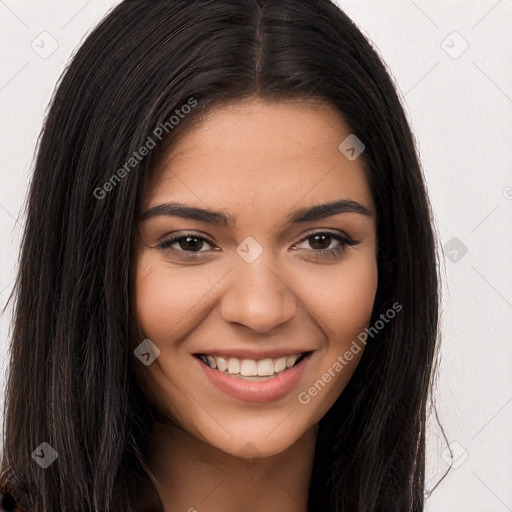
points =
(252, 369)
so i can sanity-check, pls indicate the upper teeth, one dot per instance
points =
(250, 367)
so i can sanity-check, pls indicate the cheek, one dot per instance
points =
(164, 304)
(357, 296)
(153, 299)
(346, 312)
(344, 300)
(165, 298)
(345, 304)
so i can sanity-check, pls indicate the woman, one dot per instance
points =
(227, 296)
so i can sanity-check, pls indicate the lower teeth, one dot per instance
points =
(243, 377)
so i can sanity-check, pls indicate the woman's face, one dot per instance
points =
(240, 275)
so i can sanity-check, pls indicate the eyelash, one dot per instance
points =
(334, 252)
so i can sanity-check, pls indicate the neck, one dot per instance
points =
(194, 476)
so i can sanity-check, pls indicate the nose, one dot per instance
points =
(257, 297)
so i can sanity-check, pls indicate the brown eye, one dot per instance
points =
(319, 240)
(190, 243)
(187, 245)
(320, 244)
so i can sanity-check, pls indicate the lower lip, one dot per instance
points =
(254, 391)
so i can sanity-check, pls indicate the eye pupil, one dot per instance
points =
(195, 244)
(321, 238)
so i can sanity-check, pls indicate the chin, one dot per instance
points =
(255, 447)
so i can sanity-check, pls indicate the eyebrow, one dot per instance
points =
(306, 214)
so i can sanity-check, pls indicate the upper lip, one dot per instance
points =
(246, 353)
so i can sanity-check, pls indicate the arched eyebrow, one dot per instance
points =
(306, 214)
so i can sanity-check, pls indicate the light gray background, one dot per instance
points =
(460, 107)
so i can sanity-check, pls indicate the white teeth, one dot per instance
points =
(265, 368)
(233, 366)
(248, 368)
(251, 367)
(211, 361)
(222, 364)
(279, 364)
(290, 361)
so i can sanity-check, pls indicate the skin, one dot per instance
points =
(258, 162)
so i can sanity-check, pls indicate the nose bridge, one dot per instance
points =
(256, 295)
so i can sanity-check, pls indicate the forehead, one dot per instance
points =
(261, 155)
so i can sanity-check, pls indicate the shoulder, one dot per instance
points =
(144, 496)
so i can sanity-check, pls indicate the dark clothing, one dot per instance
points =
(8, 503)
(145, 499)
